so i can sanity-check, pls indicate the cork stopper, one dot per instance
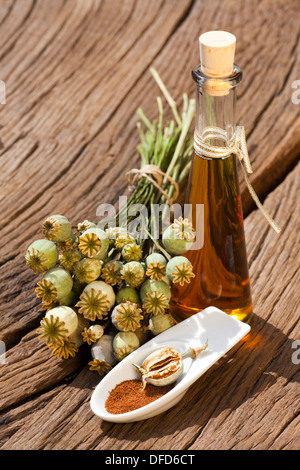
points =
(217, 50)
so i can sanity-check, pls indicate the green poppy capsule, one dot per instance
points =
(57, 228)
(41, 255)
(55, 284)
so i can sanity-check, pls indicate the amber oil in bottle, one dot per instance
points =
(219, 258)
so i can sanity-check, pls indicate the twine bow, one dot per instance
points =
(238, 147)
(149, 171)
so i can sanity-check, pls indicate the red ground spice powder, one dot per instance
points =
(129, 395)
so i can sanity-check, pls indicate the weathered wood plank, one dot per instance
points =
(247, 401)
(27, 368)
(17, 418)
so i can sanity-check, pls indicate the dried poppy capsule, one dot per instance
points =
(165, 365)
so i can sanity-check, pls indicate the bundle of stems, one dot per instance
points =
(169, 147)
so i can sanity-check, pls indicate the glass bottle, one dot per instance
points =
(219, 255)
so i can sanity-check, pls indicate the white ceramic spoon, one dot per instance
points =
(222, 333)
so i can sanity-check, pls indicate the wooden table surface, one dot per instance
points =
(75, 72)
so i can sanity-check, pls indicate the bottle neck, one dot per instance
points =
(216, 105)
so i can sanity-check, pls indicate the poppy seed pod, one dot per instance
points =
(41, 255)
(124, 343)
(94, 243)
(55, 284)
(57, 228)
(67, 315)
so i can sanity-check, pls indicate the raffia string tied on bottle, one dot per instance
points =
(156, 176)
(238, 147)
